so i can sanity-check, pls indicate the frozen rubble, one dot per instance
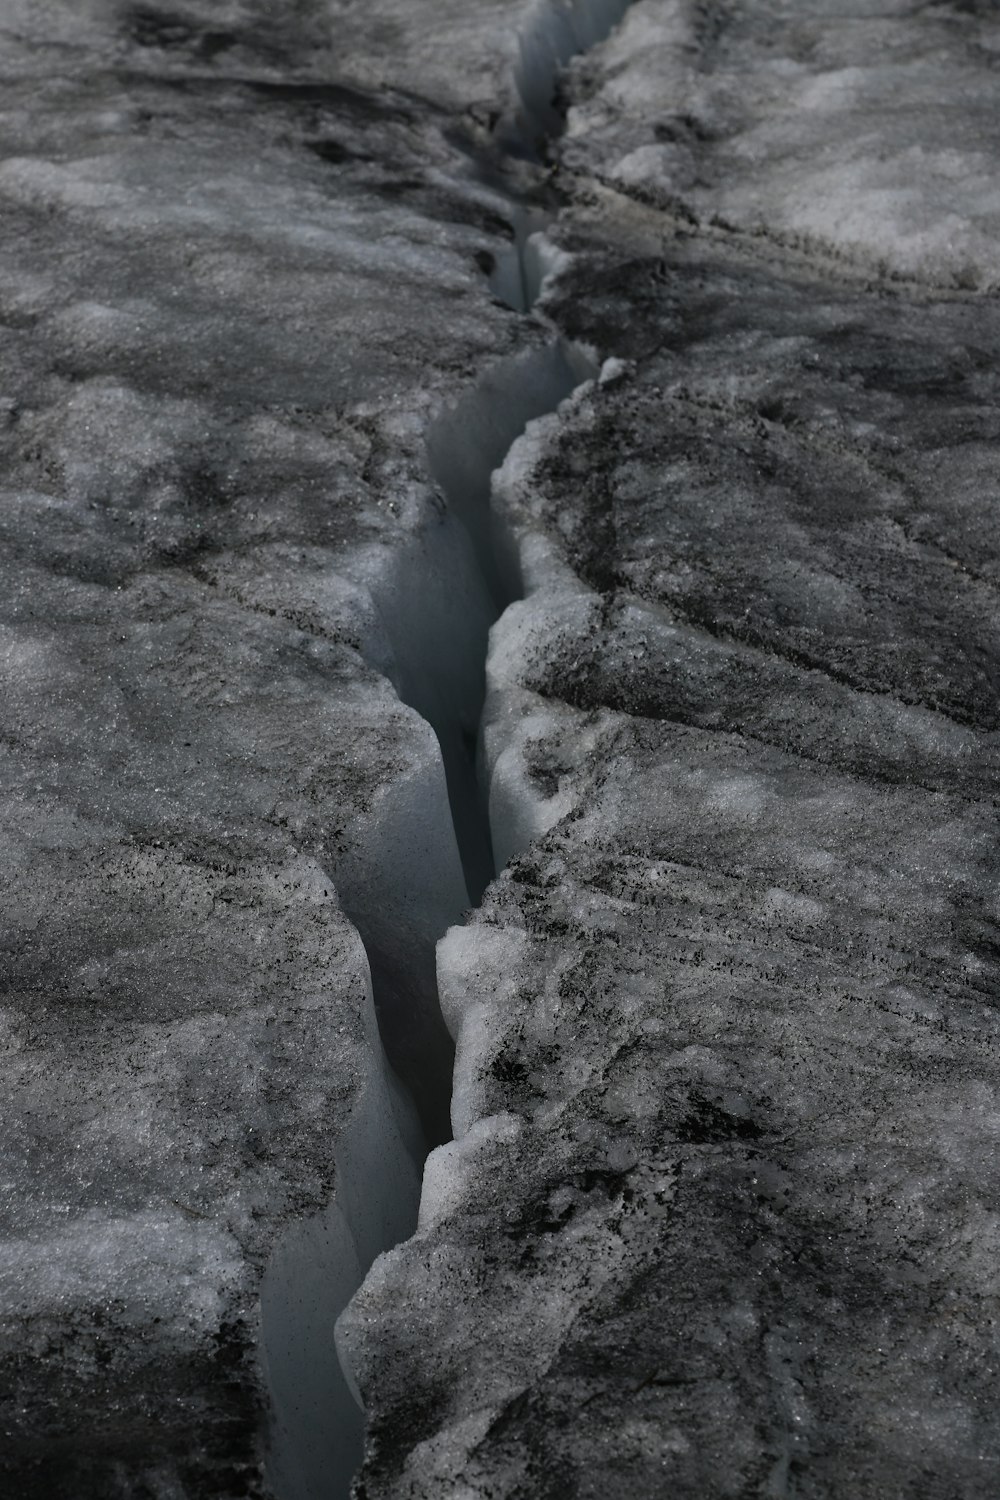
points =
(720, 1216)
(244, 271)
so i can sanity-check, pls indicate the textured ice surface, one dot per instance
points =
(867, 133)
(241, 274)
(720, 1218)
(721, 1212)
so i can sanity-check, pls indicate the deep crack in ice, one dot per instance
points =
(319, 1427)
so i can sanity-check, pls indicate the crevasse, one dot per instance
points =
(430, 851)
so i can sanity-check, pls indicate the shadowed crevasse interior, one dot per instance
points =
(407, 887)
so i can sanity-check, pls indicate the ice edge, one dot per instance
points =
(317, 1427)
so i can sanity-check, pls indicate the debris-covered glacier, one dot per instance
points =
(302, 637)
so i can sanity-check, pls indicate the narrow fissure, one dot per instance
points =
(431, 856)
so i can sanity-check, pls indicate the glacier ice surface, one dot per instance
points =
(719, 1217)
